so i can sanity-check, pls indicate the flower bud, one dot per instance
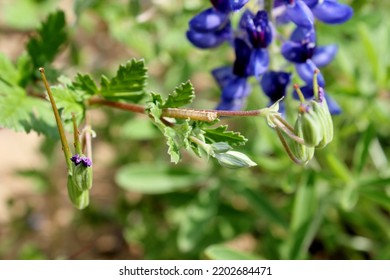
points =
(79, 198)
(326, 123)
(302, 152)
(82, 172)
(233, 159)
(311, 128)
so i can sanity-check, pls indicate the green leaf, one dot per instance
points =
(156, 178)
(220, 134)
(128, 84)
(8, 72)
(20, 112)
(85, 83)
(69, 101)
(50, 37)
(196, 218)
(221, 252)
(182, 95)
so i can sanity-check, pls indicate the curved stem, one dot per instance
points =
(287, 147)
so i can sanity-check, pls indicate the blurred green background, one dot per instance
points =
(144, 207)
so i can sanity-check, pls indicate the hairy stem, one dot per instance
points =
(178, 113)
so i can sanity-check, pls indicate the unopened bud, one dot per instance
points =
(322, 112)
(302, 152)
(79, 198)
(311, 127)
(233, 159)
(82, 172)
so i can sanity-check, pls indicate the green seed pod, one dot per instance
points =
(322, 111)
(79, 198)
(302, 152)
(311, 128)
(220, 147)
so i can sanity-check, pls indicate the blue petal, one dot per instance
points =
(235, 5)
(258, 29)
(237, 87)
(243, 56)
(206, 40)
(274, 84)
(311, 3)
(296, 52)
(227, 6)
(258, 62)
(231, 105)
(334, 108)
(209, 20)
(332, 12)
(222, 75)
(303, 35)
(324, 55)
(300, 14)
(306, 72)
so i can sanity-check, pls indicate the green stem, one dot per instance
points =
(61, 131)
(76, 136)
(300, 94)
(315, 84)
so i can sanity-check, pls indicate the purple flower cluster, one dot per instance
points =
(77, 159)
(251, 38)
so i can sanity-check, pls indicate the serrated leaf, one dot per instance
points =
(85, 83)
(173, 145)
(220, 134)
(50, 37)
(68, 101)
(182, 95)
(20, 112)
(128, 84)
(8, 72)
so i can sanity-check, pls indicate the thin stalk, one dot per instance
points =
(61, 131)
(76, 136)
(300, 94)
(88, 137)
(179, 113)
(315, 84)
(287, 147)
(290, 133)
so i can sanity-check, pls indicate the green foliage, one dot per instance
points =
(128, 84)
(336, 207)
(50, 37)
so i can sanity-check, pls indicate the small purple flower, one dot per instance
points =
(210, 39)
(77, 159)
(308, 93)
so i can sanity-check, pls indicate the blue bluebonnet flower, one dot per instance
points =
(308, 93)
(301, 50)
(259, 35)
(234, 88)
(330, 11)
(274, 85)
(227, 6)
(295, 10)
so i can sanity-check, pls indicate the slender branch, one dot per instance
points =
(205, 115)
(64, 142)
(88, 137)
